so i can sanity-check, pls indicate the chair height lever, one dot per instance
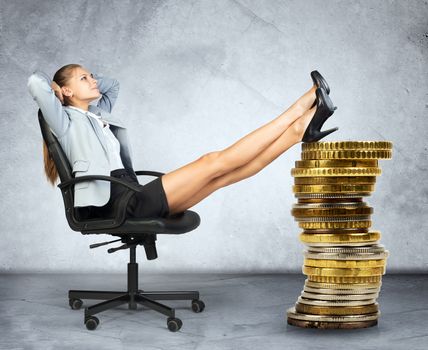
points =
(123, 246)
(96, 245)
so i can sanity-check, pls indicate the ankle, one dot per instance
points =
(300, 125)
(298, 129)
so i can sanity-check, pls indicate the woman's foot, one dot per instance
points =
(306, 101)
(319, 82)
(325, 109)
(308, 126)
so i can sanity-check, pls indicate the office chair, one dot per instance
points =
(131, 232)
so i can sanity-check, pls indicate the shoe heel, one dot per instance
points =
(318, 135)
(323, 134)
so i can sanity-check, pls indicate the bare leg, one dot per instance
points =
(248, 147)
(289, 138)
(185, 182)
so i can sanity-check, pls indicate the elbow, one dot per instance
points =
(38, 80)
(116, 85)
(32, 83)
(31, 80)
(113, 92)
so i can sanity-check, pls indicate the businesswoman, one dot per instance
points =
(96, 142)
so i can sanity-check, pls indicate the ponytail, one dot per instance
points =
(50, 169)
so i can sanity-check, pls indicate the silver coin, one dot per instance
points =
(356, 291)
(345, 256)
(340, 297)
(336, 302)
(333, 218)
(292, 313)
(372, 248)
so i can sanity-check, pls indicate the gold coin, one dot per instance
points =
(333, 218)
(344, 211)
(344, 263)
(335, 225)
(331, 325)
(337, 310)
(304, 201)
(325, 271)
(336, 204)
(334, 303)
(327, 163)
(340, 230)
(344, 279)
(349, 145)
(337, 180)
(356, 171)
(339, 188)
(291, 312)
(344, 286)
(338, 237)
(347, 154)
(344, 195)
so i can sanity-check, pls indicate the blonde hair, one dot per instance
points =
(61, 77)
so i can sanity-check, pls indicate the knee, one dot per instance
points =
(211, 158)
(213, 161)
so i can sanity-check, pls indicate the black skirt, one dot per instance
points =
(150, 202)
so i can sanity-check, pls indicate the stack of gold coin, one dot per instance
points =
(344, 261)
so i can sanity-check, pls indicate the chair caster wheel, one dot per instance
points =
(75, 304)
(198, 305)
(92, 323)
(174, 324)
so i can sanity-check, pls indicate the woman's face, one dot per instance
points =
(82, 86)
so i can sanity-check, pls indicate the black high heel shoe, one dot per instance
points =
(324, 110)
(319, 81)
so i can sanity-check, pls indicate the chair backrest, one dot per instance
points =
(64, 171)
(55, 150)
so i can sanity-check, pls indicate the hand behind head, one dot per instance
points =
(58, 93)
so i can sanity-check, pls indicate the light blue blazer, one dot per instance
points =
(81, 137)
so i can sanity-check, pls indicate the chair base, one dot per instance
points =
(133, 296)
(144, 298)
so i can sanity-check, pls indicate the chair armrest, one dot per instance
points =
(129, 185)
(121, 211)
(148, 172)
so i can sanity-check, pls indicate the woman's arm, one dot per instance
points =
(39, 85)
(109, 89)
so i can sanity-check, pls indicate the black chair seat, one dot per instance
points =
(175, 224)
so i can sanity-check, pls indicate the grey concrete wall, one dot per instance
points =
(195, 77)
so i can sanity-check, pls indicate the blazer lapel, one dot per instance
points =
(106, 116)
(99, 133)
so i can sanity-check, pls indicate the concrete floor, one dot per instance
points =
(242, 312)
